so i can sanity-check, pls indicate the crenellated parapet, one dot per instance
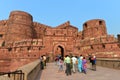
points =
(36, 24)
(98, 40)
(25, 45)
(40, 29)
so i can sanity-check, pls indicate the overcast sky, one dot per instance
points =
(56, 12)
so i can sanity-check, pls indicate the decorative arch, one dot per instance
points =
(59, 49)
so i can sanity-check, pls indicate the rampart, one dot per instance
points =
(23, 41)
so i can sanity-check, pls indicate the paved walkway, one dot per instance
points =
(102, 73)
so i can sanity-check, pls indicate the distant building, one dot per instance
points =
(23, 41)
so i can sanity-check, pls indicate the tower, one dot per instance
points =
(94, 28)
(19, 26)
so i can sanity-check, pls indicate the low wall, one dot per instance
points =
(110, 63)
(27, 72)
(31, 70)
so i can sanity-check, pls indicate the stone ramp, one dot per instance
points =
(102, 73)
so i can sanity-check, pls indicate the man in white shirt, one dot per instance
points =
(74, 65)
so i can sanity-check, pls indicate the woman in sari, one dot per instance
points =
(80, 63)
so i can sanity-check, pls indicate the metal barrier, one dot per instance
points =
(16, 75)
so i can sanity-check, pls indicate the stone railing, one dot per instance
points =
(31, 70)
(110, 63)
(27, 72)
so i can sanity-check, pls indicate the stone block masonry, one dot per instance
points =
(22, 40)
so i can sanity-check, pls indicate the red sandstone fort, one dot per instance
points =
(23, 41)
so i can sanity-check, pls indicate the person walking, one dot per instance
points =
(56, 60)
(44, 60)
(90, 60)
(60, 65)
(74, 65)
(67, 62)
(80, 63)
(41, 63)
(93, 62)
(84, 65)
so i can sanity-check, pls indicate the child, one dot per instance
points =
(60, 65)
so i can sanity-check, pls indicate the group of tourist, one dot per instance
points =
(75, 63)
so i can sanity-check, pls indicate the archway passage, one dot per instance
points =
(60, 51)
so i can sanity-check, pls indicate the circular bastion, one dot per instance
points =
(94, 28)
(19, 26)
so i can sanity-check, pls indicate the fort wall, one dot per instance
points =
(23, 41)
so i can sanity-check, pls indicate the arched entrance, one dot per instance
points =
(59, 51)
